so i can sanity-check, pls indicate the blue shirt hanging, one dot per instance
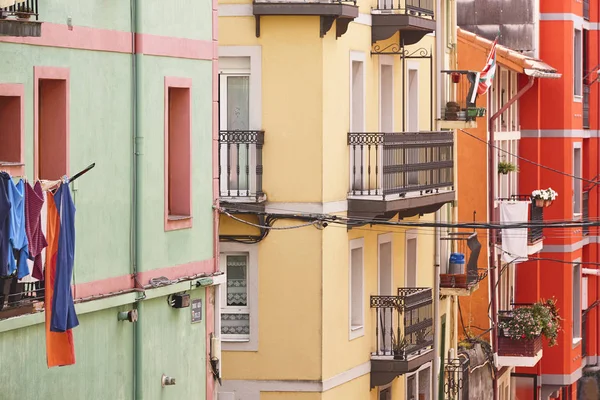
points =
(18, 237)
(4, 223)
(63, 309)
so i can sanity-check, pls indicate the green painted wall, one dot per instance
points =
(103, 369)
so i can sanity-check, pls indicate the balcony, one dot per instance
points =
(403, 333)
(457, 372)
(20, 19)
(517, 352)
(406, 173)
(535, 235)
(240, 166)
(342, 12)
(20, 298)
(412, 18)
(462, 279)
(460, 91)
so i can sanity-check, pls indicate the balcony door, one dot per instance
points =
(418, 384)
(412, 119)
(237, 154)
(411, 260)
(385, 288)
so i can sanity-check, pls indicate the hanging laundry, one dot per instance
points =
(63, 308)
(60, 346)
(514, 241)
(18, 238)
(34, 201)
(4, 223)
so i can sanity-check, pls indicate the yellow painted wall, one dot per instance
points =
(356, 389)
(289, 396)
(289, 265)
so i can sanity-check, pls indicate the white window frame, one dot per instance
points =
(416, 373)
(577, 65)
(357, 56)
(358, 330)
(577, 184)
(576, 300)
(254, 54)
(229, 342)
(411, 234)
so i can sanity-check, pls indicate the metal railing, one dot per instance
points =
(456, 371)
(384, 164)
(459, 101)
(586, 106)
(586, 10)
(404, 323)
(423, 8)
(20, 298)
(240, 163)
(22, 10)
(585, 200)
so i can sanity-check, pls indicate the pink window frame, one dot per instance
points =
(57, 74)
(16, 90)
(186, 221)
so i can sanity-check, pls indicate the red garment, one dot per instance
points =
(60, 347)
(34, 201)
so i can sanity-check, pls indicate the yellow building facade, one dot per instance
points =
(329, 118)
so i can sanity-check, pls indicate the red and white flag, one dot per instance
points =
(486, 77)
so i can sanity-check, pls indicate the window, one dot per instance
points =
(235, 314)
(241, 141)
(576, 297)
(385, 394)
(178, 171)
(411, 260)
(418, 384)
(11, 134)
(357, 117)
(577, 63)
(238, 299)
(577, 187)
(51, 121)
(356, 273)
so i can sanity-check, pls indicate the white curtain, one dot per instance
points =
(514, 241)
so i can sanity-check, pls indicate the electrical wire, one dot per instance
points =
(528, 160)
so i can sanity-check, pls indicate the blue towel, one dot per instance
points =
(18, 237)
(4, 224)
(63, 309)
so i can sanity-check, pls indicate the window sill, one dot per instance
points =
(577, 216)
(578, 98)
(230, 340)
(356, 331)
(176, 222)
(576, 341)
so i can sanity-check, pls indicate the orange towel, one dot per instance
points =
(60, 348)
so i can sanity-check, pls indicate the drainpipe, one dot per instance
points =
(491, 218)
(135, 224)
(436, 308)
(597, 328)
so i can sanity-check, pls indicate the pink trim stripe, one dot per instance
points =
(125, 282)
(94, 39)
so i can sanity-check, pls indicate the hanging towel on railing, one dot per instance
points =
(63, 308)
(19, 245)
(514, 241)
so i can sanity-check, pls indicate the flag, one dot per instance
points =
(486, 77)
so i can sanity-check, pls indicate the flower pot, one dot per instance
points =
(455, 77)
(519, 347)
(539, 202)
(399, 356)
(547, 203)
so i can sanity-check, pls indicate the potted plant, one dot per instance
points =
(544, 197)
(455, 77)
(527, 323)
(504, 167)
(400, 346)
(24, 13)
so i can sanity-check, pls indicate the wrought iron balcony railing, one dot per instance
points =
(23, 10)
(460, 88)
(536, 214)
(422, 8)
(456, 371)
(240, 164)
(404, 323)
(386, 164)
(20, 298)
